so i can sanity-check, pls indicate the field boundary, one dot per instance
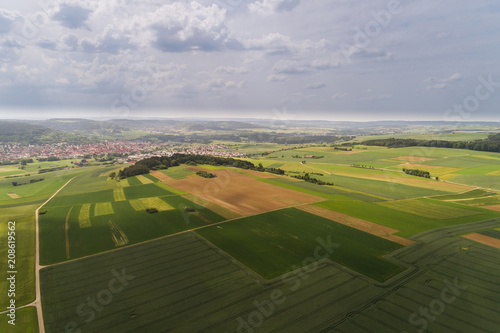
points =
(357, 223)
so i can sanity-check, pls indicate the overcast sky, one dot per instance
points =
(295, 59)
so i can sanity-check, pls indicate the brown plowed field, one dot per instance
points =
(484, 239)
(357, 223)
(494, 207)
(239, 193)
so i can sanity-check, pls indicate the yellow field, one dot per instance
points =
(386, 176)
(486, 157)
(103, 208)
(494, 173)
(122, 183)
(84, 216)
(427, 209)
(118, 194)
(144, 180)
(155, 202)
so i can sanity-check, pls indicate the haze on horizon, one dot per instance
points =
(294, 59)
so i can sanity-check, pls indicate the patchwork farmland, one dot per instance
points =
(253, 251)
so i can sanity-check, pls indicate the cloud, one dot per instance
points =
(379, 55)
(277, 78)
(289, 67)
(324, 64)
(216, 84)
(183, 27)
(231, 70)
(267, 7)
(441, 83)
(339, 95)
(72, 16)
(377, 97)
(47, 44)
(316, 85)
(109, 41)
(7, 19)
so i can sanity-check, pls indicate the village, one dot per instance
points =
(123, 149)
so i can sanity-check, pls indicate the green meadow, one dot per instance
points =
(273, 243)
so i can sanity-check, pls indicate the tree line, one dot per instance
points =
(491, 144)
(312, 180)
(158, 163)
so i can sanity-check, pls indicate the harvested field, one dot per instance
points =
(228, 214)
(240, 193)
(14, 195)
(357, 223)
(496, 208)
(484, 239)
(161, 176)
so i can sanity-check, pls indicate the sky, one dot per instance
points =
(287, 59)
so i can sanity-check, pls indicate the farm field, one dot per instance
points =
(261, 225)
(25, 261)
(240, 193)
(26, 321)
(271, 243)
(224, 296)
(407, 223)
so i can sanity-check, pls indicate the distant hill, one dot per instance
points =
(80, 125)
(220, 125)
(13, 131)
(26, 133)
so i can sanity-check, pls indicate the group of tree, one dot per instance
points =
(157, 163)
(417, 172)
(276, 171)
(205, 174)
(45, 170)
(362, 166)
(312, 180)
(492, 143)
(31, 182)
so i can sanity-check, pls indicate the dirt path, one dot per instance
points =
(38, 298)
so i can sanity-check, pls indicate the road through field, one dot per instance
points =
(38, 299)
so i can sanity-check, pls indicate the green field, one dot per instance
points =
(154, 202)
(408, 224)
(103, 208)
(145, 191)
(207, 277)
(271, 244)
(428, 209)
(178, 172)
(26, 321)
(136, 225)
(205, 290)
(25, 259)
